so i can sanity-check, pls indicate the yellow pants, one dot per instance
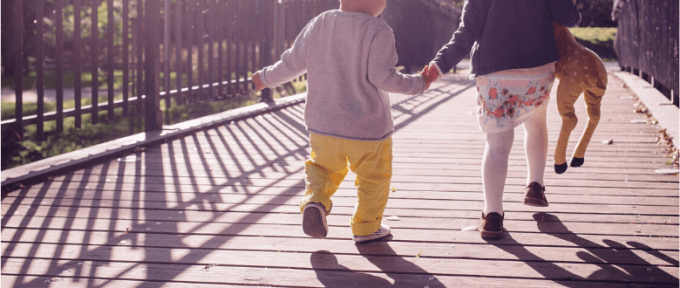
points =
(371, 161)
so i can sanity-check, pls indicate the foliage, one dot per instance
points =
(595, 13)
(600, 40)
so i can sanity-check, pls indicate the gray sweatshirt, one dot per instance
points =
(349, 59)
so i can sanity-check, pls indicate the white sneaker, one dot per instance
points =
(314, 220)
(382, 232)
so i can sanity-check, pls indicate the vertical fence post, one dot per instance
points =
(210, 12)
(110, 53)
(140, 59)
(219, 21)
(59, 71)
(95, 55)
(77, 78)
(40, 68)
(19, 67)
(237, 41)
(201, 33)
(126, 57)
(153, 117)
(178, 51)
(166, 57)
(267, 45)
(230, 45)
(190, 49)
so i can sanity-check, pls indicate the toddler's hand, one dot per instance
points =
(430, 74)
(257, 82)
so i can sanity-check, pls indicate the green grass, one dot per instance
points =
(33, 149)
(30, 81)
(595, 35)
(598, 39)
(31, 108)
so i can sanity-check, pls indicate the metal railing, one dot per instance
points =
(183, 52)
(647, 42)
(173, 52)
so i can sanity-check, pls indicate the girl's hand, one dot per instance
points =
(257, 82)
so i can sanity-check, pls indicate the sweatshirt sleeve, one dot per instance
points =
(381, 72)
(293, 62)
(472, 23)
(565, 12)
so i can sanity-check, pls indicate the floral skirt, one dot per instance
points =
(507, 98)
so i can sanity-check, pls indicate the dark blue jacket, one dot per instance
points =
(507, 34)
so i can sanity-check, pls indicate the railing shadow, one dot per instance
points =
(403, 273)
(237, 153)
(612, 268)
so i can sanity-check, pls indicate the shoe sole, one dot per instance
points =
(371, 239)
(490, 234)
(535, 202)
(312, 223)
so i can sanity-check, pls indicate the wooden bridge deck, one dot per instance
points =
(219, 209)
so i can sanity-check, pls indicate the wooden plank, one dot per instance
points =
(68, 282)
(425, 237)
(291, 214)
(181, 168)
(233, 187)
(638, 255)
(428, 183)
(268, 201)
(388, 263)
(471, 212)
(196, 275)
(545, 222)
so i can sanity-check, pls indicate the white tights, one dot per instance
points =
(497, 152)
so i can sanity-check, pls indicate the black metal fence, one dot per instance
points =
(179, 51)
(647, 42)
(421, 28)
(167, 52)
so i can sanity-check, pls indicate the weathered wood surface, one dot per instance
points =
(220, 209)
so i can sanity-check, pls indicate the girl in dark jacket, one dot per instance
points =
(512, 48)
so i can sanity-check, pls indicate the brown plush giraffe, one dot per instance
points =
(580, 70)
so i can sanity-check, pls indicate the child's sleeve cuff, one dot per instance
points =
(438, 69)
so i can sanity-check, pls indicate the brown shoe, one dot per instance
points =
(535, 195)
(491, 226)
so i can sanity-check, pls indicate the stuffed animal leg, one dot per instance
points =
(580, 70)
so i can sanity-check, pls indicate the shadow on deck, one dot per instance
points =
(218, 208)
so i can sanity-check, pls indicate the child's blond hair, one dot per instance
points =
(370, 7)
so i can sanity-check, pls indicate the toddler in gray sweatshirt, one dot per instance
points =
(349, 56)
(349, 59)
